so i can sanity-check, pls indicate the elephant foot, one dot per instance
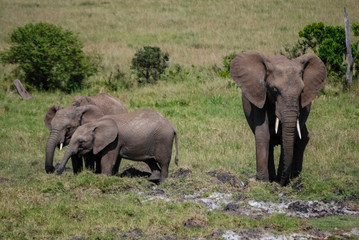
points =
(155, 176)
(49, 169)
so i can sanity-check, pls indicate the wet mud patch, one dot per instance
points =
(312, 233)
(182, 173)
(134, 234)
(195, 223)
(4, 180)
(300, 209)
(262, 234)
(227, 177)
(134, 173)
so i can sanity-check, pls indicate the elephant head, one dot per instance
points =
(288, 85)
(62, 122)
(91, 137)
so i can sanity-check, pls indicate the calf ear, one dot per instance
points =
(105, 132)
(50, 115)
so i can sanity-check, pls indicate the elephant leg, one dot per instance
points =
(164, 170)
(299, 148)
(89, 160)
(262, 140)
(108, 161)
(76, 164)
(155, 170)
(271, 165)
(163, 156)
(117, 165)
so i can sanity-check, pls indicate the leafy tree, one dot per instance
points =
(150, 63)
(49, 56)
(328, 42)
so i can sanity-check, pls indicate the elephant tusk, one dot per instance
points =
(61, 145)
(276, 125)
(298, 129)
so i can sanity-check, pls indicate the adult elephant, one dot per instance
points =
(276, 96)
(62, 123)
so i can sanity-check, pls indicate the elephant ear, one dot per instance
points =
(105, 133)
(249, 71)
(88, 113)
(314, 75)
(50, 115)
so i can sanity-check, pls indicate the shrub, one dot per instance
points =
(49, 57)
(118, 79)
(328, 42)
(149, 63)
(226, 64)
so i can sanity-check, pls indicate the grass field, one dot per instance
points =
(206, 110)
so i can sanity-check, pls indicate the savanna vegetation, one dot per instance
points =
(203, 104)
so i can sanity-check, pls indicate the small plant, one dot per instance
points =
(117, 79)
(226, 64)
(149, 63)
(49, 56)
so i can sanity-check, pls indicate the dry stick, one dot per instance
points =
(350, 59)
(21, 90)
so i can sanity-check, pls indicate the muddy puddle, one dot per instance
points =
(255, 209)
(218, 201)
(225, 201)
(229, 202)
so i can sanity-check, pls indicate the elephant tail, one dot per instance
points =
(176, 145)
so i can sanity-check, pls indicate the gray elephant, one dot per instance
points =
(62, 123)
(144, 135)
(276, 97)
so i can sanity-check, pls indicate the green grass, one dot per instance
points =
(206, 110)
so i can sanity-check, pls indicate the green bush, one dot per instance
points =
(149, 63)
(355, 28)
(328, 42)
(49, 57)
(226, 64)
(118, 79)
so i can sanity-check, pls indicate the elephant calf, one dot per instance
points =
(144, 135)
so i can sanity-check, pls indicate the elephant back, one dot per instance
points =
(108, 104)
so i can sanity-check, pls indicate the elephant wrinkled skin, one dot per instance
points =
(276, 97)
(62, 123)
(144, 135)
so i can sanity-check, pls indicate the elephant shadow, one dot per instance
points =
(130, 172)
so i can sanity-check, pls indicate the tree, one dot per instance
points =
(49, 56)
(328, 42)
(150, 63)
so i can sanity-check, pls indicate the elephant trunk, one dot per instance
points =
(289, 128)
(51, 144)
(64, 160)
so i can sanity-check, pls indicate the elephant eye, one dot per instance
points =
(275, 90)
